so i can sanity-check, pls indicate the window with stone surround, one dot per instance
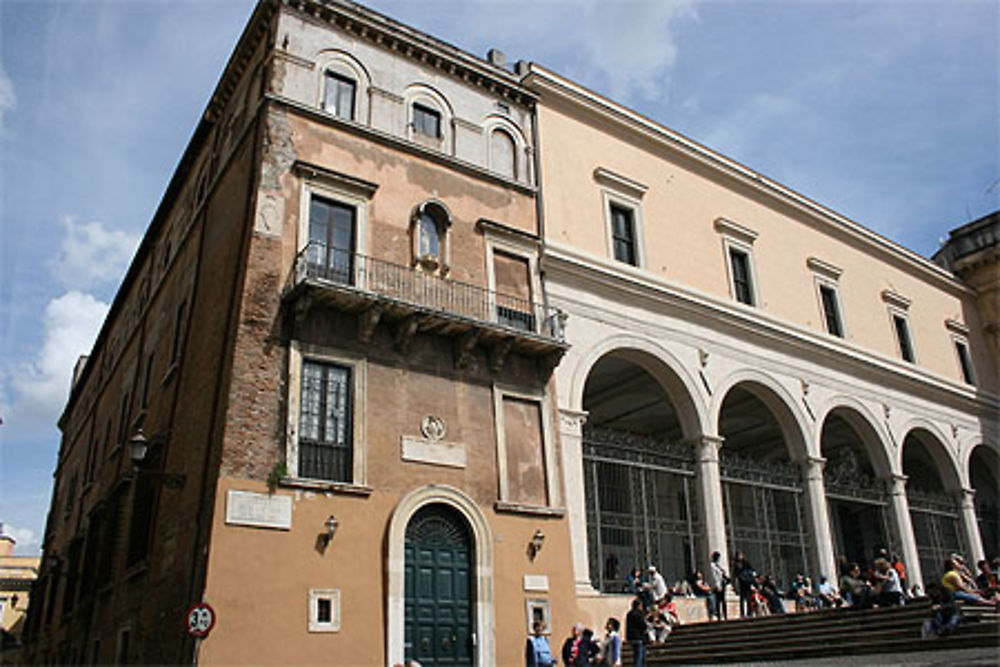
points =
(898, 306)
(429, 227)
(737, 244)
(326, 426)
(960, 339)
(622, 216)
(827, 279)
(524, 449)
(339, 95)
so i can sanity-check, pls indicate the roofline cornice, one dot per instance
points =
(391, 34)
(559, 258)
(547, 82)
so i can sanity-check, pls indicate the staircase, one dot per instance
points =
(826, 633)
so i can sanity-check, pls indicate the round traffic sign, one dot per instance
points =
(200, 619)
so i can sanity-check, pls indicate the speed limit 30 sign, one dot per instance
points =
(200, 619)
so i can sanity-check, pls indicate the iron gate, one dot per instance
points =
(640, 506)
(765, 515)
(935, 528)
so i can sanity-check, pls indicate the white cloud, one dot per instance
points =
(633, 45)
(40, 387)
(91, 255)
(8, 99)
(25, 539)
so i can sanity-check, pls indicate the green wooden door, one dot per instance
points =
(438, 588)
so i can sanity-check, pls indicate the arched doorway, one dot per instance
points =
(438, 557)
(638, 478)
(933, 508)
(857, 495)
(983, 467)
(762, 489)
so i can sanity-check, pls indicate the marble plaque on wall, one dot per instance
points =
(244, 508)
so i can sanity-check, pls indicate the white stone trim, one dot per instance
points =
(621, 184)
(341, 193)
(736, 231)
(894, 311)
(730, 243)
(623, 200)
(427, 96)
(501, 391)
(828, 270)
(510, 244)
(894, 298)
(317, 594)
(484, 615)
(821, 279)
(522, 153)
(297, 351)
(345, 64)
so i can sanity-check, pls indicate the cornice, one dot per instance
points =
(560, 259)
(413, 44)
(547, 82)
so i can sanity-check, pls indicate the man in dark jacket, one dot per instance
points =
(635, 632)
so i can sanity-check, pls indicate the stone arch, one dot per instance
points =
(497, 123)
(663, 365)
(421, 93)
(341, 62)
(934, 443)
(795, 430)
(482, 561)
(968, 446)
(873, 435)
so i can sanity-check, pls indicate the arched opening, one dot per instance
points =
(503, 153)
(929, 493)
(856, 493)
(429, 232)
(438, 587)
(639, 477)
(984, 465)
(762, 487)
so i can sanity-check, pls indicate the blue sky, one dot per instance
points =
(886, 112)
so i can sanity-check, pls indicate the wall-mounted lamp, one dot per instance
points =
(535, 545)
(330, 525)
(138, 448)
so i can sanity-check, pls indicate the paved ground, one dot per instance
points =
(968, 657)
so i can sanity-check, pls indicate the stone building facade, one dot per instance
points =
(396, 404)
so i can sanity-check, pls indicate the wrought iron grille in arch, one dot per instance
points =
(641, 506)
(935, 527)
(765, 515)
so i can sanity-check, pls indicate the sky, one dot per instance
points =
(886, 112)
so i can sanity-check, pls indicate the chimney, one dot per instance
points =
(78, 369)
(521, 67)
(6, 543)
(497, 58)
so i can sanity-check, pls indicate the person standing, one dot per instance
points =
(571, 648)
(746, 578)
(537, 652)
(635, 632)
(611, 649)
(718, 581)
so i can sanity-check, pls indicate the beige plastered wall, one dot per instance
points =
(682, 245)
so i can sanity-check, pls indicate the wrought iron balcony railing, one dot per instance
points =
(428, 292)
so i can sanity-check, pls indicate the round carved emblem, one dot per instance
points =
(432, 427)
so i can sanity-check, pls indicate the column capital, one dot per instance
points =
(897, 483)
(571, 421)
(966, 498)
(813, 466)
(706, 447)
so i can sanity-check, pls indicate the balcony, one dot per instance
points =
(411, 301)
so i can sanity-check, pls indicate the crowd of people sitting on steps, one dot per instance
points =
(654, 613)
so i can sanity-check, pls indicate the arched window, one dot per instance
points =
(430, 236)
(338, 94)
(503, 155)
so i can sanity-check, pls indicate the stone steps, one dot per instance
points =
(825, 633)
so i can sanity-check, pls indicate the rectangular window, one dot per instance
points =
(831, 310)
(739, 262)
(962, 349)
(903, 337)
(525, 452)
(512, 279)
(331, 240)
(325, 437)
(339, 95)
(623, 234)
(145, 383)
(175, 346)
(324, 610)
(426, 121)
